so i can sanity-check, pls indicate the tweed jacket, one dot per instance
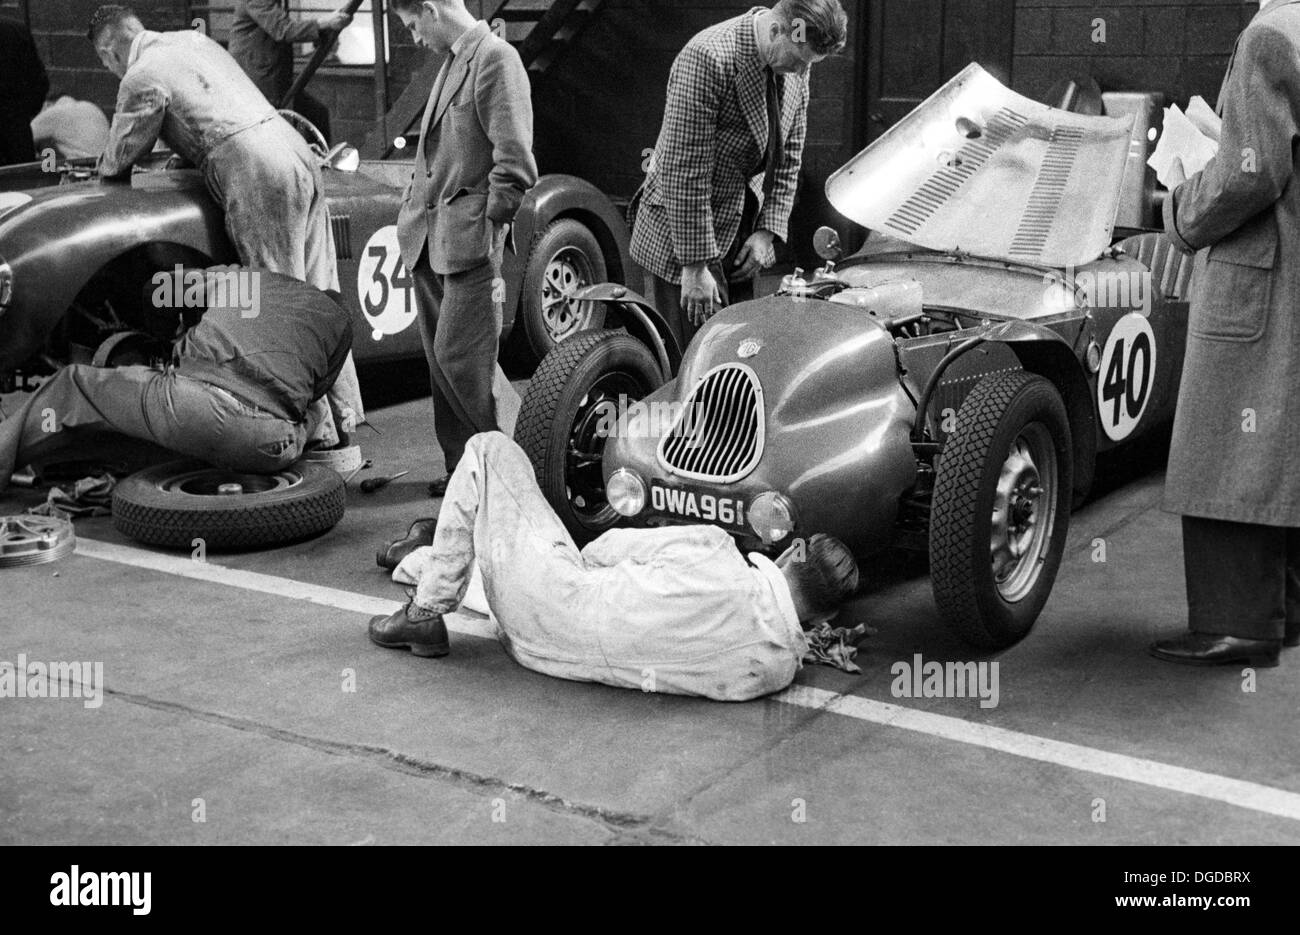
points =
(475, 160)
(714, 136)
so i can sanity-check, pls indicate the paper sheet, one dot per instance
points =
(1188, 141)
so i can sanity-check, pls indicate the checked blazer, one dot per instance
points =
(712, 145)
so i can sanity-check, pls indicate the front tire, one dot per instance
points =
(1001, 509)
(561, 414)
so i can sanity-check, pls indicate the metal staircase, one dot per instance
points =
(539, 29)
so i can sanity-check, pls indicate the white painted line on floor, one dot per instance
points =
(1259, 798)
(1250, 795)
(185, 567)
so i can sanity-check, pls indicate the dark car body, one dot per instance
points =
(839, 379)
(79, 245)
(827, 399)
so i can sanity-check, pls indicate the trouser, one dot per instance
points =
(1243, 579)
(558, 615)
(277, 217)
(81, 407)
(668, 295)
(460, 326)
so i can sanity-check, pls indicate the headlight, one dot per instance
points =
(6, 284)
(772, 516)
(626, 492)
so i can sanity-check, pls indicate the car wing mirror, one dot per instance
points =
(343, 158)
(826, 244)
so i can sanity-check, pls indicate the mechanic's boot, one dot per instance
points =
(1212, 649)
(390, 554)
(425, 635)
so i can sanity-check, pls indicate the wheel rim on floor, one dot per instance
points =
(1024, 512)
(568, 271)
(214, 482)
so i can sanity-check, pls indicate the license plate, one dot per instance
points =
(698, 505)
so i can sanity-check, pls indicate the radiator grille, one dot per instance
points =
(342, 225)
(718, 436)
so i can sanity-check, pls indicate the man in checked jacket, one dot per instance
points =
(722, 180)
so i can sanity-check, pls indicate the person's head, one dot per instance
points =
(112, 30)
(800, 33)
(434, 24)
(822, 575)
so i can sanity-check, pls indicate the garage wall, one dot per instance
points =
(1181, 49)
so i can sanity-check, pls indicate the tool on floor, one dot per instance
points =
(371, 484)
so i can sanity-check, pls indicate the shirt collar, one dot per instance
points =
(467, 37)
(137, 44)
(780, 588)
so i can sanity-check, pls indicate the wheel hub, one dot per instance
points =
(1023, 512)
(566, 273)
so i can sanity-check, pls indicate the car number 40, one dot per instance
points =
(1127, 375)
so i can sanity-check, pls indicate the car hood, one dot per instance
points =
(979, 169)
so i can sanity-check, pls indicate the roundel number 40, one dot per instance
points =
(1127, 375)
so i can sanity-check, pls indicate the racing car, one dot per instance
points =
(948, 387)
(77, 257)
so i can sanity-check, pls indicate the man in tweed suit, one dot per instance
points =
(722, 180)
(472, 168)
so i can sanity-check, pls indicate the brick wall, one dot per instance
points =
(1180, 49)
(59, 29)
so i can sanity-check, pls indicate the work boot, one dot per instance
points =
(425, 635)
(390, 554)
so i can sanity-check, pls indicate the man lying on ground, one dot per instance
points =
(676, 609)
(236, 393)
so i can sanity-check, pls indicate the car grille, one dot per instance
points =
(718, 435)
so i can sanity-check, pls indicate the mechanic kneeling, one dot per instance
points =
(236, 393)
(676, 609)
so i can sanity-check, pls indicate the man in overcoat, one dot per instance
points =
(1234, 465)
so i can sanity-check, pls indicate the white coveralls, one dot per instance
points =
(183, 87)
(676, 609)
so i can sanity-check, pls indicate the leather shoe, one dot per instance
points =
(426, 637)
(438, 488)
(1292, 637)
(390, 554)
(1212, 649)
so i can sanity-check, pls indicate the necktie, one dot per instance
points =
(774, 143)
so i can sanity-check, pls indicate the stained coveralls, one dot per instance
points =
(184, 88)
(676, 609)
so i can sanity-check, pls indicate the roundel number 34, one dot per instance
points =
(1127, 375)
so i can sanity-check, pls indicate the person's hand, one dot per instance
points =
(700, 295)
(336, 22)
(500, 234)
(756, 253)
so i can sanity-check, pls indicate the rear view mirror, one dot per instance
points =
(826, 244)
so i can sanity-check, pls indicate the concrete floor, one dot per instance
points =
(236, 697)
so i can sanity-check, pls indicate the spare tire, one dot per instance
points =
(177, 503)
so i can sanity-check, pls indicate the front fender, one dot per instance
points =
(59, 240)
(558, 196)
